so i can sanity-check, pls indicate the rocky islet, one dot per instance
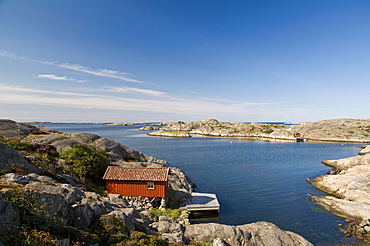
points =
(338, 130)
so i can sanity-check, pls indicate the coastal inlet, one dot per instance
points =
(254, 179)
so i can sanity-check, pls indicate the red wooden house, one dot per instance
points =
(137, 181)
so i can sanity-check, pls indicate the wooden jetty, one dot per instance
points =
(202, 202)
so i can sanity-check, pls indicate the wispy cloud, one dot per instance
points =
(22, 95)
(127, 89)
(16, 57)
(101, 72)
(55, 77)
(228, 101)
(9, 54)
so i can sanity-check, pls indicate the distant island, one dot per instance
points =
(337, 130)
(124, 124)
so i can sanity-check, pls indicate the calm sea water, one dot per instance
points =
(254, 180)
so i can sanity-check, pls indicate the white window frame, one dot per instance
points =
(150, 185)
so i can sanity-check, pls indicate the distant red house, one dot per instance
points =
(137, 181)
(297, 135)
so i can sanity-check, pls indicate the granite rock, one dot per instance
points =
(260, 233)
(10, 157)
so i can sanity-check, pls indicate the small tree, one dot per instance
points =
(86, 161)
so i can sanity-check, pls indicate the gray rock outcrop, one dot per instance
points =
(348, 188)
(12, 129)
(116, 151)
(365, 150)
(11, 159)
(167, 225)
(343, 208)
(259, 233)
(9, 217)
(150, 128)
(345, 163)
(8, 156)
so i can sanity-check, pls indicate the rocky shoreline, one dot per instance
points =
(348, 189)
(177, 134)
(337, 130)
(85, 213)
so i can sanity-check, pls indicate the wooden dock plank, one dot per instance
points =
(202, 202)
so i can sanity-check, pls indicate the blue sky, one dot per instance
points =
(169, 60)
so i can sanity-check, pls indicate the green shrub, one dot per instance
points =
(192, 243)
(178, 132)
(16, 144)
(86, 161)
(223, 127)
(19, 169)
(268, 131)
(3, 172)
(112, 224)
(46, 153)
(172, 213)
(31, 214)
(38, 238)
(96, 185)
(34, 218)
(112, 230)
(203, 244)
(133, 158)
(141, 239)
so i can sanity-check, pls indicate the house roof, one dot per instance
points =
(136, 173)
